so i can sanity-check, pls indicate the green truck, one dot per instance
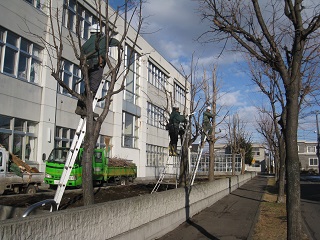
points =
(105, 170)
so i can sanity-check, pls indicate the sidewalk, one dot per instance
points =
(232, 217)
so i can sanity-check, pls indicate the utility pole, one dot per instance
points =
(318, 143)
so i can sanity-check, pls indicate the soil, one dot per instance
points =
(73, 197)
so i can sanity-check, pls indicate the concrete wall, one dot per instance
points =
(143, 217)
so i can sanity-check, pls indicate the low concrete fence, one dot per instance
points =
(144, 217)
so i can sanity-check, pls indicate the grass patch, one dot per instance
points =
(272, 222)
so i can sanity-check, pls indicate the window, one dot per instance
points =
(132, 63)
(311, 149)
(156, 155)
(71, 75)
(100, 142)
(104, 93)
(19, 136)
(156, 77)
(21, 58)
(64, 138)
(39, 4)
(313, 161)
(256, 151)
(179, 94)
(74, 12)
(155, 116)
(129, 130)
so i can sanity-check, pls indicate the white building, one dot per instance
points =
(36, 114)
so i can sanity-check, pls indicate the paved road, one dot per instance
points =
(232, 217)
(310, 207)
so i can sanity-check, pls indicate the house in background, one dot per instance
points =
(308, 156)
(259, 161)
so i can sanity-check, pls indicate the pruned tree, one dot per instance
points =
(211, 91)
(116, 69)
(193, 85)
(285, 36)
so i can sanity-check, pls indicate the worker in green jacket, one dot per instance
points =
(95, 51)
(174, 121)
(206, 124)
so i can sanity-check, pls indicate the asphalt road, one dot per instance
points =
(310, 207)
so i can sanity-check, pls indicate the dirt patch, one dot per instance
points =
(73, 197)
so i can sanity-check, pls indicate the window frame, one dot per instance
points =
(129, 139)
(18, 54)
(313, 160)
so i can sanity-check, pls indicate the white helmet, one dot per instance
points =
(209, 108)
(175, 107)
(94, 28)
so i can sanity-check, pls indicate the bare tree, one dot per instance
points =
(62, 38)
(269, 83)
(276, 147)
(285, 38)
(238, 138)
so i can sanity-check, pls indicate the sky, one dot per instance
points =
(172, 27)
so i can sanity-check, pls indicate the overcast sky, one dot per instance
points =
(172, 27)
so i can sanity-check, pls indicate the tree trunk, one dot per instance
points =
(89, 146)
(184, 159)
(282, 172)
(87, 183)
(233, 163)
(292, 163)
(211, 160)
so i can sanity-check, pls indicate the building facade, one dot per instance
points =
(308, 156)
(37, 114)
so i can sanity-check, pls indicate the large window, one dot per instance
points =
(64, 138)
(129, 130)
(156, 77)
(179, 94)
(156, 155)
(155, 116)
(71, 76)
(132, 84)
(19, 136)
(19, 57)
(73, 13)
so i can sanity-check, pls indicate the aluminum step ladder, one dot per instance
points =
(74, 150)
(200, 150)
(164, 171)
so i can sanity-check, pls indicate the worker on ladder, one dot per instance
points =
(206, 125)
(95, 51)
(174, 122)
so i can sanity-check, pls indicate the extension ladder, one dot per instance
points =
(168, 162)
(73, 151)
(200, 150)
